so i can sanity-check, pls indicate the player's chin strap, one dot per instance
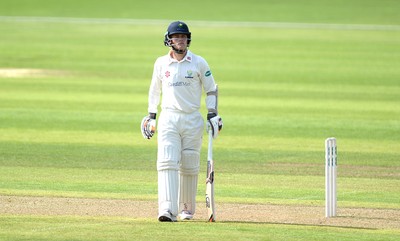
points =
(178, 51)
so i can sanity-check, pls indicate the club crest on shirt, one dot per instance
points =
(189, 74)
(167, 74)
(208, 73)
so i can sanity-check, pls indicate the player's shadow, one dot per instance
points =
(288, 224)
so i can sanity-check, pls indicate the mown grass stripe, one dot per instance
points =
(241, 24)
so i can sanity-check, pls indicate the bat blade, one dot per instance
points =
(210, 202)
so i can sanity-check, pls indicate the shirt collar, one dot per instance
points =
(188, 57)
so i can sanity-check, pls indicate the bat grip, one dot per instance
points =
(210, 144)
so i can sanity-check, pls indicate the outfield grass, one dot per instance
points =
(74, 130)
(83, 228)
(78, 228)
(306, 11)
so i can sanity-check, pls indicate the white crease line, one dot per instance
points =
(277, 25)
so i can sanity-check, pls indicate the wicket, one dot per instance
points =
(330, 177)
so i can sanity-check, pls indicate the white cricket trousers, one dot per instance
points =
(178, 160)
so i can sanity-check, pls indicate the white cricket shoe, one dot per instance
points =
(167, 217)
(186, 215)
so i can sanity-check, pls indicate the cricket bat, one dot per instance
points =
(210, 203)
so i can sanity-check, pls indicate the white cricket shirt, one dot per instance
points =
(181, 83)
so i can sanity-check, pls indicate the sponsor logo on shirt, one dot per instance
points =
(177, 84)
(208, 73)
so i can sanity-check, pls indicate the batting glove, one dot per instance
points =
(148, 126)
(214, 123)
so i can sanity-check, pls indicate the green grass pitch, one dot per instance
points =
(290, 74)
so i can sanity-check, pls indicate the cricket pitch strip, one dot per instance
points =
(227, 212)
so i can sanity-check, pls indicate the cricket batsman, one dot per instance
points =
(179, 77)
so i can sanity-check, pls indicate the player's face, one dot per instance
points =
(179, 41)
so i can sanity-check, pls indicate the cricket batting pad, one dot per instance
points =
(188, 176)
(168, 191)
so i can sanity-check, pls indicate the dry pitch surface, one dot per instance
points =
(226, 212)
